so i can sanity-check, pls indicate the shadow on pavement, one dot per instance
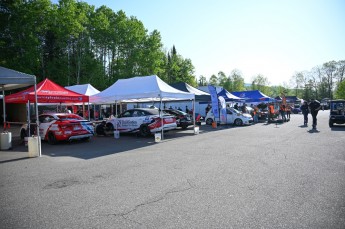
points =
(13, 160)
(100, 146)
(338, 128)
(313, 131)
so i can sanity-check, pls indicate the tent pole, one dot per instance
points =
(193, 101)
(116, 112)
(4, 107)
(28, 117)
(161, 115)
(37, 124)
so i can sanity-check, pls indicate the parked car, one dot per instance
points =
(54, 127)
(233, 117)
(263, 114)
(183, 119)
(337, 112)
(144, 121)
(296, 110)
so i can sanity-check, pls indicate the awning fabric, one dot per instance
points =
(47, 92)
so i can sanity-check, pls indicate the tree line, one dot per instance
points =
(72, 42)
(324, 81)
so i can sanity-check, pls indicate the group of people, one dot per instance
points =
(313, 108)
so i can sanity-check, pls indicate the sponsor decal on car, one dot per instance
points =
(126, 123)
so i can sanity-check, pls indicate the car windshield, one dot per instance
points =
(337, 106)
(234, 110)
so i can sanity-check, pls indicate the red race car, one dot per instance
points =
(56, 127)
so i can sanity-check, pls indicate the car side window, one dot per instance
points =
(41, 119)
(136, 113)
(126, 114)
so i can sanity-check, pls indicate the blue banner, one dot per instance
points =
(214, 100)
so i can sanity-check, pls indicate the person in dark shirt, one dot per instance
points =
(314, 107)
(305, 112)
(236, 106)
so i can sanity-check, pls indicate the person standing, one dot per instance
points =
(256, 114)
(314, 107)
(282, 112)
(271, 111)
(305, 112)
(288, 111)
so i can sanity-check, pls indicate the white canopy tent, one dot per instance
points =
(11, 79)
(84, 89)
(140, 89)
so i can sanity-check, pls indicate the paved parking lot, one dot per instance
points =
(260, 176)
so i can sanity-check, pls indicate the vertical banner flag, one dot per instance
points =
(222, 110)
(214, 99)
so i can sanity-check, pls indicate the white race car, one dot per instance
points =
(139, 120)
(233, 116)
(56, 127)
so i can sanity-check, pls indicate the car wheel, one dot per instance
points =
(100, 130)
(109, 127)
(144, 130)
(331, 123)
(51, 138)
(238, 122)
(209, 121)
(23, 134)
(184, 126)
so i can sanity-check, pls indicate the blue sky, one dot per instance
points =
(274, 38)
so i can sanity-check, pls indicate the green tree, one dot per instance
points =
(202, 81)
(222, 79)
(340, 92)
(261, 83)
(329, 70)
(237, 81)
(213, 80)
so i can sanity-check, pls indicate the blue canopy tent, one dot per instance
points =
(253, 96)
(228, 96)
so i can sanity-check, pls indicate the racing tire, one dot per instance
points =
(144, 130)
(23, 134)
(238, 122)
(184, 126)
(100, 130)
(51, 138)
(109, 127)
(209, 121)
(330, 123)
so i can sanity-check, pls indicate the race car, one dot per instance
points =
(54, 127)
(144, 121)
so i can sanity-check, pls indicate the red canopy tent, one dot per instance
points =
(47, 92)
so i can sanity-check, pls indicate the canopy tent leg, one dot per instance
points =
(37, 123)
(4, 108)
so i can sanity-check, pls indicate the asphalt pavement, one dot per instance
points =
(258, 176)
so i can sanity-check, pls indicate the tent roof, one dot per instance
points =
(228, 96)
(84, 89)
(253, 96)
(199, 95)
(47, 92)
(140, 89)
(11, 79)
(292, 99)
